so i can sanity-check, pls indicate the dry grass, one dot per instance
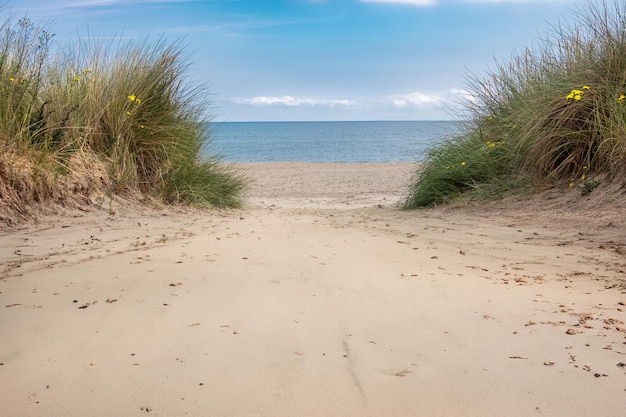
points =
(556, 113)
(103, 119)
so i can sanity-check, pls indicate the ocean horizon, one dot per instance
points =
(328, 141)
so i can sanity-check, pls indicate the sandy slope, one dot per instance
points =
(313, 303)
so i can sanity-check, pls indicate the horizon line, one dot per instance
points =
(333, 121)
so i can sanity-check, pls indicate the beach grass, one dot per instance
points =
(554, 115)
(103, 118)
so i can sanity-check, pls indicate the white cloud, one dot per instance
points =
(56, 4)
(417, 105)
(407, 106)
(66, 4)
(409, 2)
(415, 99)
(293, 101)
(240, 26)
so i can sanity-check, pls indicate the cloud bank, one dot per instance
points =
(415, 100)
(292, 101)
(401, 101)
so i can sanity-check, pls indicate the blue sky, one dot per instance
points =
(320, 59)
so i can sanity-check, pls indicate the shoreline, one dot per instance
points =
(328, 184)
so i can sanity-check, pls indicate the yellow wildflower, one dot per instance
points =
(463, 163)
(621, 97)
(586, 87)
(128, 113)
(11, 79)
(491, 145)
(143, 127)
(574, 95)
(134, 98)
(76, 78)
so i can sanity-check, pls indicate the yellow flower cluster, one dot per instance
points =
(134, 98)
(577, 94)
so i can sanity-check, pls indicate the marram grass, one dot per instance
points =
(552, 116)
(103, 119)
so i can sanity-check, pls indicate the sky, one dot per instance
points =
(301, 60)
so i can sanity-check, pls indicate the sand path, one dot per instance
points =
(308, 306)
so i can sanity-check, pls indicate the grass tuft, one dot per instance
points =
(550, 116)
(103, 118)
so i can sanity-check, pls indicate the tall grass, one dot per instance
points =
(117, 117)
(553, 115)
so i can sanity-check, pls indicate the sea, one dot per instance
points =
(362, 141)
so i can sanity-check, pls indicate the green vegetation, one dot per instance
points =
(102, 119)
(550, 116)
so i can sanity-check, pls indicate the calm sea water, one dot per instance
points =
(406, 141)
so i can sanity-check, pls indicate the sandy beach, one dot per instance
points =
(319, 298)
